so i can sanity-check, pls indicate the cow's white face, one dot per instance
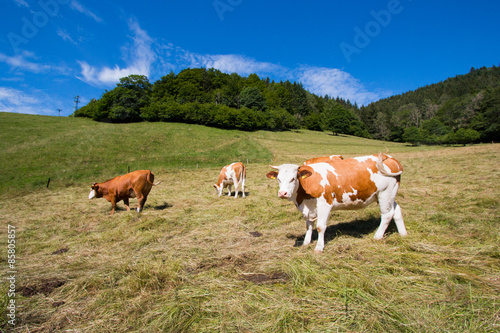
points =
(288, 181)
(219, 188)
(92, 194)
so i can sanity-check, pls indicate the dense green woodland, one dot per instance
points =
(463, 109)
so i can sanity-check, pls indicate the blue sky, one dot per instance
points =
(54, 50)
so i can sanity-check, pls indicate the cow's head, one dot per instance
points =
(289, 176)
(219, 188)
(94, 192)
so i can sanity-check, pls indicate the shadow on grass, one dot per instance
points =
(239, 194)
(357, 228)
(162, 206)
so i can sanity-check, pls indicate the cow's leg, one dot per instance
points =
(398, 218)
(140, 204)
(386, 204)
(389, 209)
(307, 238)
(236, 184)
(113, 206)
(321, 223)
(243, 187)
(127, 204)
(229, 188)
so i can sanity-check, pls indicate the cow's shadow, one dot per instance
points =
(239, 194)
(357, 228)
(162, 206)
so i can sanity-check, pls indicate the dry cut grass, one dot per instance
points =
(192, 262)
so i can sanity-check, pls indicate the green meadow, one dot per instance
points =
(193, 262)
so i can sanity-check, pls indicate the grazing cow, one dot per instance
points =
(348, 184)
(132, 185)
(232, 174)
(325, 159)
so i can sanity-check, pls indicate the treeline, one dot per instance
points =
(463, 109)
(210, 97)
(460, 110)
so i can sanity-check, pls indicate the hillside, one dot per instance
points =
(193, 262)
(462, 109)
(73, 150)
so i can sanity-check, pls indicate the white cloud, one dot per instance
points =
(139, 58)
(20, 61)
(335, 82)
(24, 62)
(231, 63)
(80, 8)
(13, 100)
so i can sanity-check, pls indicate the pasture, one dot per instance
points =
(193, 262)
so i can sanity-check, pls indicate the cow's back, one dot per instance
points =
(239, 170)
(323, 159)
(135, 181)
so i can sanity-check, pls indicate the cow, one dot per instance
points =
(232, 174)
(326, 159)
(349, 184)
(136, 184)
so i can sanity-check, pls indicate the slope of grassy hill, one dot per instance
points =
(193, 262)
(73, 150)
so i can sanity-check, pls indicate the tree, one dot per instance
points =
(464, 136)
(382, 126)
(412, 135)
(336, 119)
(135, 82)
(252, 98)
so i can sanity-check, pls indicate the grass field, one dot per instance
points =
(192, 262)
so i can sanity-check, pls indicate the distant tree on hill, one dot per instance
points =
(336, 119)
(252, 98)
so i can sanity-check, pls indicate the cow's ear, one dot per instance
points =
(272, 175)
(304, 172)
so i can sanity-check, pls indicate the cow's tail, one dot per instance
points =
(150, 178)
(383, 169)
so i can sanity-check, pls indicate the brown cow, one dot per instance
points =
(135, 184)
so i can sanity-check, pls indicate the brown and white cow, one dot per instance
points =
(232, 174)
(136, 184)
(348, 184)
(325, 159)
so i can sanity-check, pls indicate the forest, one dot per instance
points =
(460, 110)
(463, 109)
